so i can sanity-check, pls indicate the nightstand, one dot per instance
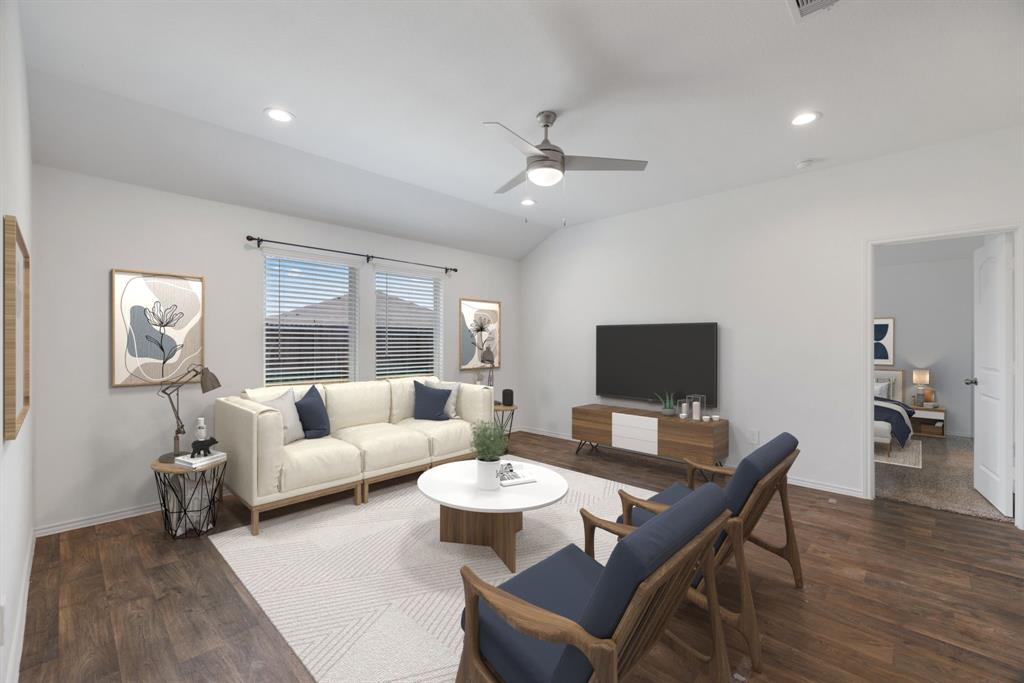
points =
(929, 421)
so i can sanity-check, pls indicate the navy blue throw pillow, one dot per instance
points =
(429, 402)
(313, 414)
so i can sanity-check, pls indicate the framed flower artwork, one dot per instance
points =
(157, 326)
(479, 334)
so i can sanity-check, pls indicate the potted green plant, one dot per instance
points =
(489, 442)
(668, 402)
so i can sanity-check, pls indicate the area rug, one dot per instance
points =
(903, 457)
(370, 594)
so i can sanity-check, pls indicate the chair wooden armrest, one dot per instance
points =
(709, 469)
(629, 501)
(592, 522)
(535, 622)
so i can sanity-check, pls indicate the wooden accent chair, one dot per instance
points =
(567, 619)
(749, 490)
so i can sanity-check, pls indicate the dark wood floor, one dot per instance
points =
(893, 593)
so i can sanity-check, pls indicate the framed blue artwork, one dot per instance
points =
(885, 341)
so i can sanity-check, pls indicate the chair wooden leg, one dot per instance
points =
(747, 621)
(719, 656)
(254, 521)
(791, 552)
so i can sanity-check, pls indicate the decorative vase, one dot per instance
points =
(487, 475)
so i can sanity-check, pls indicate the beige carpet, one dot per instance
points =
(902, 457)
(370, 594)
(945, 480)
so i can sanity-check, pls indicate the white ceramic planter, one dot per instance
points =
(487, 475)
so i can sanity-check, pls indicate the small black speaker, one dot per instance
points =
(506, 397)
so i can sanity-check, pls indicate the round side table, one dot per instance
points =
(189, 498)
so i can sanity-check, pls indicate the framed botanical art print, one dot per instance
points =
(479, 334)
(885, 341)
(157, 326)
(16, 329)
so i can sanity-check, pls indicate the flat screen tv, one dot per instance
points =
(638, 361)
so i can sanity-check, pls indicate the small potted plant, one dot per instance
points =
(489, 442)
(668, 402)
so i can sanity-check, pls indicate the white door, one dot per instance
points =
(993, 371)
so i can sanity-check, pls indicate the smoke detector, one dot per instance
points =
(801, 9)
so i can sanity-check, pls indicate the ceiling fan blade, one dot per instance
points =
(521, 143)
(603, 164)
(518, 180)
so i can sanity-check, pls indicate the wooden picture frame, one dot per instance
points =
(470, 343)
(143, 352)
(17, 329)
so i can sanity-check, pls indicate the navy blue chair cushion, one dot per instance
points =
(313, 415)
(754, 467)
(429, 402)
(673, 494)
(562, 583)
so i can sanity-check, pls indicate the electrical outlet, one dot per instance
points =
(754, 436)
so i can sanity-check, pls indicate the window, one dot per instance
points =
(310, 321)
(408, 325)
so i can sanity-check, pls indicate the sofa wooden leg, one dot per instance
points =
(254, 521)
(366, 491)
(357, 493)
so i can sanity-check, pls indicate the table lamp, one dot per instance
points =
(921, 379)
(207, 382)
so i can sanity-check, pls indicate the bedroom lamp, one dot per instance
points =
(921, 379)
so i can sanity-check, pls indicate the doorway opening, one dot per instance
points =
(943, 387)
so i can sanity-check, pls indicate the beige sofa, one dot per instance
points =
(373, 437)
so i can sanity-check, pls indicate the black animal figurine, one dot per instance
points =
(202, 448)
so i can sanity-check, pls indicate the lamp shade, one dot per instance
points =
(208, 381)
(921, 376)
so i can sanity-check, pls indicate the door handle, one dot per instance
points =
(971, 382)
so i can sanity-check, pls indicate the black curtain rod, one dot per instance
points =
(369, 257)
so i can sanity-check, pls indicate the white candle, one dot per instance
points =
(695, 410)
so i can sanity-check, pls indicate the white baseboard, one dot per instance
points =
(16, 640)
(91, 520)
(822, 486)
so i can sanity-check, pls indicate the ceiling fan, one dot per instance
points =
(546, 163)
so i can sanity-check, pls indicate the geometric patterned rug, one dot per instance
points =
(370, 594)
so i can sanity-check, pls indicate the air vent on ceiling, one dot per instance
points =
(802, 9)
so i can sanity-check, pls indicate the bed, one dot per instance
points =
(892, 416)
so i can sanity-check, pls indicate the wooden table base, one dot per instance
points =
(495, 529)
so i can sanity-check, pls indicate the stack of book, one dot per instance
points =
(514, 475)
(187, 460)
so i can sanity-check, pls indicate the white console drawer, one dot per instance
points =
(637, 421)
(630, 444)
(635, 433)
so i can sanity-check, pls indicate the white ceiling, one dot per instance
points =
(389, 99)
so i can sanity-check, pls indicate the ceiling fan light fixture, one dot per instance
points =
(544, 172)
(805, 118)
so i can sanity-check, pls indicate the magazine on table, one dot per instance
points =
(514, 474)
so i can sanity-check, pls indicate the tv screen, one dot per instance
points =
(638, 361)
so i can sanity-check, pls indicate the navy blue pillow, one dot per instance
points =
(429, 402)
(313, 415)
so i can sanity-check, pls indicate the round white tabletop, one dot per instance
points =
(454, 485)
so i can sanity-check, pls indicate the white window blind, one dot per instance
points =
(408, 325)
(310, 321)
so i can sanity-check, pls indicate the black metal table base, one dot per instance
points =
(582, 443)
(189, 502)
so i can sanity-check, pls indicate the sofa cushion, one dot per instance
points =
(313, 414)
(260, 394)
(561, 583)
(430, 402)
(284, 403)
(754, 467)
(315, 461)
(446, 437)
(357, 403)
(384, 445)
(673, 494)
(403, 397)
(449, 406)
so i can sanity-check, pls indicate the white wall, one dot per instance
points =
(93, 456)
(932, 302)
(782, 267)
(16, 456)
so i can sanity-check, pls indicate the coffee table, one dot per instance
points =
(493, 518)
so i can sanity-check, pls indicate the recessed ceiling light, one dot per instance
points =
(806, 117)
(279, 115)
(527, 202)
